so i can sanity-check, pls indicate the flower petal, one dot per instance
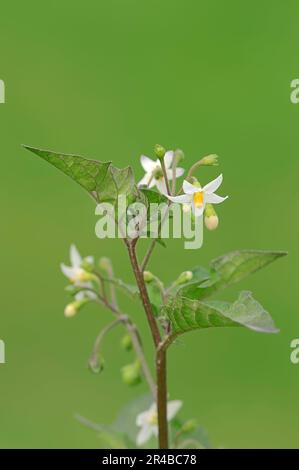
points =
(214, 198)
(80, 295)
(75, 256)
(172, 408)
(161, 185)
(145, 180)
(188, 188)
(147, 164)
(168, 157)
(144, 434)
(142, 418)
(213, 185)
(179, 171)
(152, 183)
(183, 199)
(67, 271)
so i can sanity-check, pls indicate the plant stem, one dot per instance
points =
(165, 176)
(160, 351)
(154, 241)
(131, 245)
(148, 254)
(133, 332)
(162, 398)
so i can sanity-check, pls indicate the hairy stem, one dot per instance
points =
(162, 398)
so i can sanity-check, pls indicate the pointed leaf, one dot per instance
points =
(90, 174)
(188, 314)
(229, 269)
(103, 181)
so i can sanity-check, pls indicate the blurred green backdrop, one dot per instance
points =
(109, 79)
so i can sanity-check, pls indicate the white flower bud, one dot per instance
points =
(211, 222)
(70, 310)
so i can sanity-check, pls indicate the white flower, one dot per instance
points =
(198, 197)
(154, 174)
(75, 273)
(148, 420)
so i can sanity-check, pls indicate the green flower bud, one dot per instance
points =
(184, 277)
(85, 276)
(131, 374)
(188, 426)
(126, 342)
(159, 151)
(87, 265)
(148, 276)
(209, 160)
(211, 218)
(179, 155)
(194, 181)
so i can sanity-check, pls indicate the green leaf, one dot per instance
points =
(229, 269)
(126, 420)
(187, 314)
(153, 197)
(103, 181)
(108, 436)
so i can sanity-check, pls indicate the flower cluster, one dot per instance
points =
(195, 197)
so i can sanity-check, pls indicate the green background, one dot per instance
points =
(109, 79)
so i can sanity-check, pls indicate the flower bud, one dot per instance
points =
(159, 151)
(74, 307)
(96, 364)
(179, 155)
(131, 374)
(194, 181)
(188, 426)
(70, 310)
(209, 160)
(184, 277)
(148, 276)
(85, 276)
(211, 218)
(86, 265)
(126, 342)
